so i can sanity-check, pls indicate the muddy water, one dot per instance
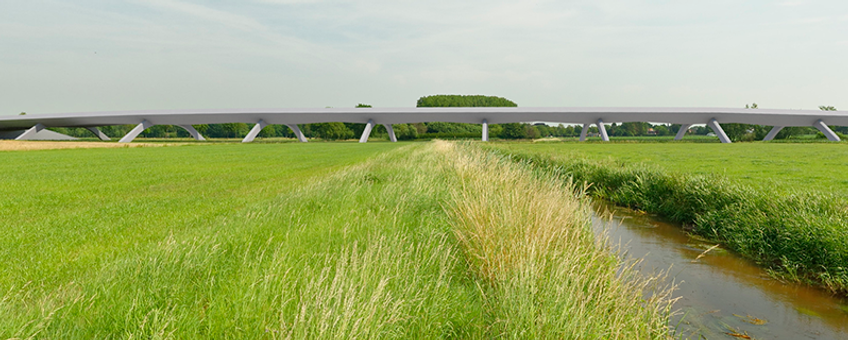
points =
(722, 293)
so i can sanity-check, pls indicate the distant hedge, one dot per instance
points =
(443, 100)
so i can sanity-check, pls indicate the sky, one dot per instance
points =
(103, 55)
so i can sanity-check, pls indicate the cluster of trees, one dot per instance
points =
(443, 100)
(465, 130)
(342, 131)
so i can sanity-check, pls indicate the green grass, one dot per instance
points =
(323, 240)
(66, 209)
(801, 167)
(800, 234)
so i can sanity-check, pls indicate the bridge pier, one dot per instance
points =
(683, 129)
(602, 130)
(254, 131)
(831, 136)
(773, 133)
(367, 131)
(98, 133)
(137, 130)
(485, 130)
(192, 131)
(297, 133)
(584, 132)
(713, 124)
(391, 132)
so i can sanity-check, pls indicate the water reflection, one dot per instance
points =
(720, 292)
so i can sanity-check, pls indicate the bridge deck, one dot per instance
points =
(476, 115)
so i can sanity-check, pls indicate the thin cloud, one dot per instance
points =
(207, 13)
(310, 51)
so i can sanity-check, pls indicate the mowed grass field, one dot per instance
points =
(802, 166)
(317, 240)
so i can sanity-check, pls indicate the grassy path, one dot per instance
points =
(426, 241)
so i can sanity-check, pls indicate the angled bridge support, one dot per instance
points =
(773, 133)
(261, 124)
(831, 136)
(713, 124)
(682, 131)
(602, 130)
(367, 131)
(254, 131)
(144, 125)
(391, 132)
(192, 131)
(584, 132)
(98, 133)
(297, 133)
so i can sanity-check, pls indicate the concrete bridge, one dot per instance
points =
(31, 126)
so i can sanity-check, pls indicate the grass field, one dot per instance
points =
(804, 167)
(318, 240)
(769, 202)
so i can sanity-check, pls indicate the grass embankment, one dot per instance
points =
(774, 166)
(801, 236)
(431, 240)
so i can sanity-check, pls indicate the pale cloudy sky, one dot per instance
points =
(93, 55)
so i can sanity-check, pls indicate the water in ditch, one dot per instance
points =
(723, 296)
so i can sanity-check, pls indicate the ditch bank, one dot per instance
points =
(800, 237)
(720, 294)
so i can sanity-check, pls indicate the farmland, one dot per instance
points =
(318, 240)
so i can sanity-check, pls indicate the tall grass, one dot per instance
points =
(799, 236)
(528, 239)
(427, 241)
